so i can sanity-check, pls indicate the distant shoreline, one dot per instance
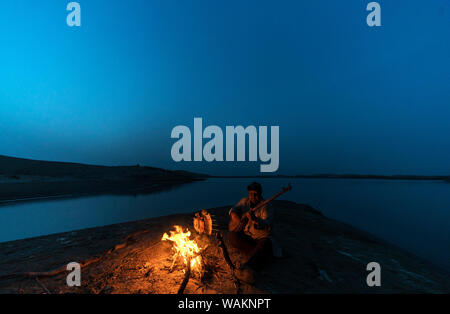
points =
(344, 176)
(117, 189)
(13, 193)
(24, 180)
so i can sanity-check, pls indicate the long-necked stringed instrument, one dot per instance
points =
(239, 224)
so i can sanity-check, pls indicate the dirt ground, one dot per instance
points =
(320, 255)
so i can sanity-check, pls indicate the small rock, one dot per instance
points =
(107, 290)
(148, 272)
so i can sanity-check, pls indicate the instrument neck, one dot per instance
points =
(267, 201)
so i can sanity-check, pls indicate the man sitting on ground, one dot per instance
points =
(250, 232)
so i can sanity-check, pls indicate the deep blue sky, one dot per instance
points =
(348, 98)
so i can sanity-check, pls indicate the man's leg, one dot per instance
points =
(260, 254)
(242, 242)
(246, 245)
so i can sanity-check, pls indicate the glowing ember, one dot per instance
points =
(185, 247)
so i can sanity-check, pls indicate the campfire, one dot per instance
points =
(195, 259)
(189, 253)
(184, 248)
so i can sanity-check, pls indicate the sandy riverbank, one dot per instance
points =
(321, 256)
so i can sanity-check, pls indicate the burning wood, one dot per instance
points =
(185, 247)
(187, 275)
(188, 250)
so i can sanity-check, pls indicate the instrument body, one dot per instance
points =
(238, 222)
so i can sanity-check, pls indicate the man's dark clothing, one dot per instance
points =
(259, 250)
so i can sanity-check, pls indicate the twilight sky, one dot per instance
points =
(348, 98)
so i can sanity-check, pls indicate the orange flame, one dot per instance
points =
(185, 247)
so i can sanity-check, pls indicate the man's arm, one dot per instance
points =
(237, 219)
(239, 207)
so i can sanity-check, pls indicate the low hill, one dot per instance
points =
(11, 166)
(25, 179)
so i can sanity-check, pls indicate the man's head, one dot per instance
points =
(254, 192)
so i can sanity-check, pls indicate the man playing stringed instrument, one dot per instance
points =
(250, 230)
